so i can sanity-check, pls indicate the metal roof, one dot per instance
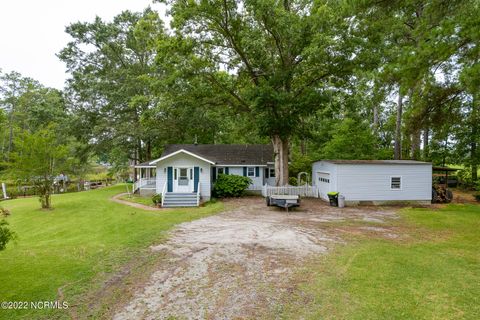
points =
(384, 162)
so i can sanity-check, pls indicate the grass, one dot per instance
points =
(138, 199)
(434, 273)
(85, 238)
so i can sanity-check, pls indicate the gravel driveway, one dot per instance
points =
(236, 265)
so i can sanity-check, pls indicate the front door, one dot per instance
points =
(183, 180)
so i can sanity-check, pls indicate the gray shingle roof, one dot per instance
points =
(227, 154)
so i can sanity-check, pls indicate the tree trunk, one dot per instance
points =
(10, 134)
(474, 162)
(474, 140)
(398, 128)
(280, 149)
(415, 145)
(375, 118)
(303, 146)
(426, 146)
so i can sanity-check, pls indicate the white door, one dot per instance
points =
(183, 180)
(323, 183)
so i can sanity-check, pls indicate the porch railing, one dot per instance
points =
(198, 194)
(144, 183)
(303, 191)
(164, 190)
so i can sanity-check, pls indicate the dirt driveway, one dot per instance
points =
(236, 265)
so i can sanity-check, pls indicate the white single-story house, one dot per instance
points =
(185, 173)
(375, 181)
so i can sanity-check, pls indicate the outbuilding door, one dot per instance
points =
(323, 183)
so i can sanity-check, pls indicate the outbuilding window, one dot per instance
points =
(251, 172)
(395, 183)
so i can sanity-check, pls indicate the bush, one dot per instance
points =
(292, 181)
(477, 196)
(230, 186)
(465, 178)
(5, 234)
(4, 212)
(157, 199)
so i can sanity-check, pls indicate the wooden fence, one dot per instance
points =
(303, 191)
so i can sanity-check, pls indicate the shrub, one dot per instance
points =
(465, 178)
(4, 212)
(477, 196)
(292, 181)
(5, 234)
(157, 199)
(230, 186)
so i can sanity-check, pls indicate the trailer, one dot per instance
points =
(283, 201)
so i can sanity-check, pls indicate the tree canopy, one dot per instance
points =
(323, 79)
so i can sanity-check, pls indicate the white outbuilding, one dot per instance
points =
(374, 181)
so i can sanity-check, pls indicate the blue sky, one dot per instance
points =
(32, 32)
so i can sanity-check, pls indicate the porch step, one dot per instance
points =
(175, 199)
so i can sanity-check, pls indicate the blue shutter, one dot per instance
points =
(196, 176)
(257, 171)
(214, 173)
(244, 171)
(169, 179)
(226, 170)
(266, 173)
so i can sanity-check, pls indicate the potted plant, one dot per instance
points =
(157, 199)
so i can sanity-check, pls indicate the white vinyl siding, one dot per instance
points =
(319, 171)
(257, 182)
(396, 183)
(271, 178)
(185, 160)
(373, 182)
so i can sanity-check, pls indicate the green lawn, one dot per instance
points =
(86, 236)
(138, 199)
(434, 273)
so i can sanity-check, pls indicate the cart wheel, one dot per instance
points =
(268, 201)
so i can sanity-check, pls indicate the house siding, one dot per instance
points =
(270, 180)
(257, 182)
(186, 160)
(371, 182)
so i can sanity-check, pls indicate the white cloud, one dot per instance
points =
(32, 32)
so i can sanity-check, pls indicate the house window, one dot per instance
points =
(251, 172)
(272, 173)
(395, 183)
(220, 170)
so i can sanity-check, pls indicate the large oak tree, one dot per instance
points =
(275, 59)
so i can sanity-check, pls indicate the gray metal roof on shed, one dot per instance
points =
(384, 162)
(227, 154)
